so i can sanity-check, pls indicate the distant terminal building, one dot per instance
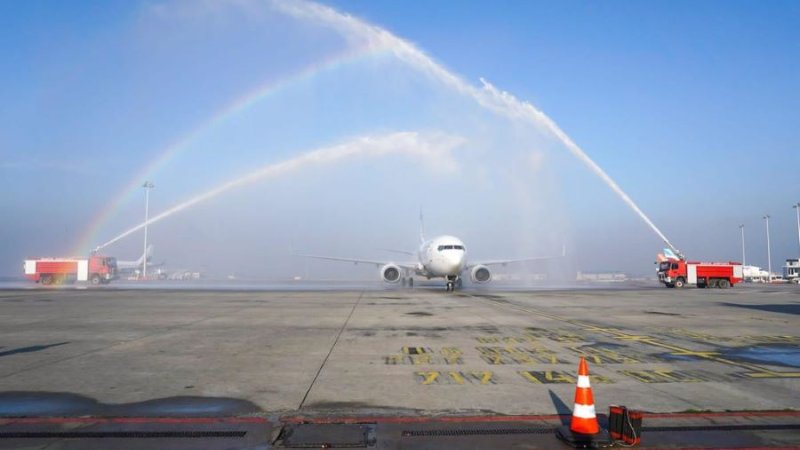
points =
(520, 277)
(754, 274)
(601, 276)
(185, 275)
(791, 271)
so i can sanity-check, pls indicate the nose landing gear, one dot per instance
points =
(452, 283)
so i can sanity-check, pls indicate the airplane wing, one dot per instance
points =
(503, 262)
(409, 266)
(402, 252)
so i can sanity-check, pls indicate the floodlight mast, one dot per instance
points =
(147, 187)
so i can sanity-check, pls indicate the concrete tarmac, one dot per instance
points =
(422, 351)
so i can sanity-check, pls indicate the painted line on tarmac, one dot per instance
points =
(336, 341)
(756, 371)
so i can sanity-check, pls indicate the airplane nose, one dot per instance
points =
(454, 262)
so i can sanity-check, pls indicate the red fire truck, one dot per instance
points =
(678, 273)
(95, 269)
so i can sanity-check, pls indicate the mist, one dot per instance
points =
(272, 129)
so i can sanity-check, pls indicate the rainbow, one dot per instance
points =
(88, 239)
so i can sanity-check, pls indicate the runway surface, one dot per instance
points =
(419, 351)
(391, 368)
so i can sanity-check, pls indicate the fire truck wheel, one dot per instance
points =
(724, 284)
(95, 279)
(680, 282)
(46, 279)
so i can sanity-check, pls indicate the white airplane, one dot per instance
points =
(440, 257)
(126, 267)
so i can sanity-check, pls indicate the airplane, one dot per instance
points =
(441, 257)
(128, 267)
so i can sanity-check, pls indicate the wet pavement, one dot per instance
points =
(422, 353)
(687, 430)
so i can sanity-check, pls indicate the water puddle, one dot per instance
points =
(783, 355)
(671, 357)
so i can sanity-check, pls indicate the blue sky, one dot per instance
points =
(691, 107)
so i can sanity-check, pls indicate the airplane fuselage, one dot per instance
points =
(444, 256)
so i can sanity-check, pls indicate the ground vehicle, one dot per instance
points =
(678, 273)
(96, 269)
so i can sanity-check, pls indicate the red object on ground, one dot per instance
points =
(679, 273)
(584, 418)
(96, 269)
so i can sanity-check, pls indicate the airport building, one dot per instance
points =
(601, 276)
(791, 271)
(755, 274)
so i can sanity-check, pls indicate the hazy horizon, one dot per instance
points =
(690, 108)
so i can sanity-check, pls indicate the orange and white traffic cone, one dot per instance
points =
(584, 419)
(584, 431)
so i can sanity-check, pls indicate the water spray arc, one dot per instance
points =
(428, 148)
(527, 111)
(488, 97)
(238, 105)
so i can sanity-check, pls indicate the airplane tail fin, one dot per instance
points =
(421, 227)
(146, 256)
(669, 254)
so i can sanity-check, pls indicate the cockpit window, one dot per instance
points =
(450, 247)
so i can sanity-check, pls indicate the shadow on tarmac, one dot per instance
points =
(31, 349)
(51, 404)
(563, 410)
(790, 308)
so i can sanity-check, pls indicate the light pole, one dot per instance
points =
(744, 260)
(147, 186)
(796, 207)
(769, 254)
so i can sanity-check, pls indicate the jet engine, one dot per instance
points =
(480, 274)
(390, 273)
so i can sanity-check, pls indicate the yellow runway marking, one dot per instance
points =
(482, 377)
(428, 377)
(666, 376)
(756, 370)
